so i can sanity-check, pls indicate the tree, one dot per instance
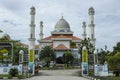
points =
(72, 44)
(114, 59)
(116, 49)
(68, 58)
(16, 48)
(102, 55)
(47, 54)
(13, 72)
(114, 63)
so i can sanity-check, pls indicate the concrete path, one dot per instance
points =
(58, 75)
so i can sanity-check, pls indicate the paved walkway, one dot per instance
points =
(58, 75)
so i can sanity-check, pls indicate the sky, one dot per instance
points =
(15, 18)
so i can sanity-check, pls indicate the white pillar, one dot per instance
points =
(41, 30)
(91, 25)
(84, 61)
(84, 30)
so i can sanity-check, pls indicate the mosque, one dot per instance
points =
(62, 37)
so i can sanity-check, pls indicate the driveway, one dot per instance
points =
(58, 75)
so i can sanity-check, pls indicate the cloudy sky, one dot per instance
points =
(15, 18)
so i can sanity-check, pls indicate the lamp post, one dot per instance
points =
(21, 53)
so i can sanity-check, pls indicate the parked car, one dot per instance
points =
(42, 64)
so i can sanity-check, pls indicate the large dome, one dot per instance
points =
(62, 26)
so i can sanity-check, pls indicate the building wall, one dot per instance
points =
(59, 53)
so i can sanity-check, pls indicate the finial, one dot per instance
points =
(32, 7)
(62, 16)
(84, 22)
(1, 31)
(41, 22)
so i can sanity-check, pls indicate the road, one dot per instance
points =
(58, 75)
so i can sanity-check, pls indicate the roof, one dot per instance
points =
(61, 36)
(26, 45)
(22, 44)
(36, 46)
(61, 47)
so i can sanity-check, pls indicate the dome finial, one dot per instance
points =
(62, 16)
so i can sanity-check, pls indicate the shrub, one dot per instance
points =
(13, 72)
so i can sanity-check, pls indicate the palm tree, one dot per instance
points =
(47, 54)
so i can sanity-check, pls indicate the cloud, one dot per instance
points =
(13, 5)
(15, 18)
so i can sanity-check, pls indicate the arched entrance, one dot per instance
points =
(59, 60)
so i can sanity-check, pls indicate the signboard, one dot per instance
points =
(31, 67)
(96, 70)
(5, 45)
(84, 68)
(31, 56)
(6, 50)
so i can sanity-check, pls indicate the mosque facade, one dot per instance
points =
(62, 37)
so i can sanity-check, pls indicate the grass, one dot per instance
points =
(115, 77)
(10, 77)
(5, 75)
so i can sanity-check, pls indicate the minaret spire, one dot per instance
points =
(84, 30)
(62, 16)
(41, 30)
(91, 25)
(32, 24)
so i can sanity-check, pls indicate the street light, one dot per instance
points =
(21, 53)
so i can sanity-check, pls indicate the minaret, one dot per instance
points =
(32, 29)
(41, 30)
(32, 42)
(84, 30)
(91, 25)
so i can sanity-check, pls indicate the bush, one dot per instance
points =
(13, 72)
(91, 72)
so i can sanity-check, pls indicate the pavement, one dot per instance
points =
(58, 75)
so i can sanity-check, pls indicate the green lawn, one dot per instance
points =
(115, 78)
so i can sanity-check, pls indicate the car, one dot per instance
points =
(42, 64)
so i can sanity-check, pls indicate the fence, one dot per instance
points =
(6, 69)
